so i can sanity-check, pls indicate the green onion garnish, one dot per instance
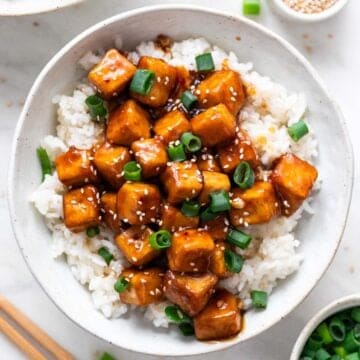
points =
(96, 107)
(244, 175)
(337, 329)
(191, 142)
(45, 163)
(355, 314)
(323, 331)
(306, 358)
(176, 152)
(132, 171)
(188, 99)
(160, 240)
(352, 339)
(142, 81)
(175, 315)
(121, 284)
(190, 208)
(259, 299)
(339, 350)
(105, 254)
(186, 329)
(298, 130)
(251, 7)
(314, 342)
(204, 62)
(353, 356)
(234, 262)
(92, 231)
(208, 215)
(239, 238)
(106, 356)
(335, 357)
(322, 354)
(219, 201)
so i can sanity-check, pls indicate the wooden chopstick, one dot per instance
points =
(32, 329)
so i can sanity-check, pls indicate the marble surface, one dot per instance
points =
(27, 43)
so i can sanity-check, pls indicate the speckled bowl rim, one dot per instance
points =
(349, 159)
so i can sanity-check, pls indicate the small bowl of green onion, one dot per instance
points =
(332, 334)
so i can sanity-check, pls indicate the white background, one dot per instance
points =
(27, 43)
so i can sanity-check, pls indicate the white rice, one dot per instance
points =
(269, 110)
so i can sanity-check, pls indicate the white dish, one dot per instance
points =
(257, 45)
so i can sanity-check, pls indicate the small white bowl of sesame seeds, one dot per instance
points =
(308, 10)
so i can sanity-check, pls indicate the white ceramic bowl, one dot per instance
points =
(291, 14)
(333, 308)
(272, 56)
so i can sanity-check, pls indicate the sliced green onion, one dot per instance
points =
(259, 299)
(186, 329)
(121, 284)
(355, 314)
(204, 62)
(208, 215)
(322, 354)
(308, 353)
(105, 254)
(92, 231)
(306, 358)
(191, 142)
(176, 152)
(325, 334)
(239, 238)
(160, 240)
(353, 356)
(298, 130)
(45, 163)
(132, 171)
(175, 315)
(335, 357)
(190, 208)
(142, 81)
(188, 99)
(234, 262)
(96, 107)
(106, 356)
(337, 329)
(352, 339)
(244, 175)
(345, 317)
(251, 7)
(340, 350)
(219, 201)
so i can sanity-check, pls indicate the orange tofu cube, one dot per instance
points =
(213, 181)
(207, 162)
(112, 74)
(134, 244)
(217, 262)
(75, 168)
(218, 228)
(240, 149)
(145, 286)
(256, 205)
(174, 220)
(214, 126)
(171, 126)
(222, 87)
(127, 123)
(108, 210)
(220, 319)
(190, 292)
(138, 203)
(293, 179)
(151, 155)
(182, 181)
(190, 251)
(81, 208)
(110, 161)
(164, 83)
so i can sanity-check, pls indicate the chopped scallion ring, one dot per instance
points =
(239, 238)
(142, 81)
(208, 215)
(92, 231)
(322, 354)
(234, 262)
(337, 329)
(121, 284)
(106, 356)
(251, 7)
(175, 315)
(323, 331)
(259, 299)
(160, 240)
(132, 171)
(219, 201)
(176, 152)
(186, 329)
(191, 142)
(188, 99)
(45, 163)
(244, 175)
(96, 107)
(298, 130)
(204, 62)
(105, 254)
(190, 208)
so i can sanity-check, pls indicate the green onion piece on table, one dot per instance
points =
(208, 215)
(204, 62)
(259, 299)
(239, 238)
(96, 107)
(251, 7)
(244, 175)
(219, 201)
(186, 329)
(92, 231)
(188, 99)
(121, 284)
(322, 354)
(132, 171)
(190, 208)
(337, 329)
(175, 315)
(298, 130)
(160, 240)
(106, 356)
(105, 254)
(323, 331)
(191, 142)
(176, 152)
(234, 262)
(142, 81)
(45, 163)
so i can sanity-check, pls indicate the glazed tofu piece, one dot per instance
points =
(240, 149)
(222, 87)
(174, 220)
(134, 244)
(190, 292)
(145, 286)
(127, 123)
(138, 203)
(293, 179)
(81, 208)
(110, 161)
(164, 83)
(214, 126)
(256, 205)
(171, 126)
(182, 181)
(151, 155)
(75, 167)
(112, 74)
(108, 209)
(218, 228)
(217, 262)
(207, 162)
(190, 251)
(220, 319)
(213, 182)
